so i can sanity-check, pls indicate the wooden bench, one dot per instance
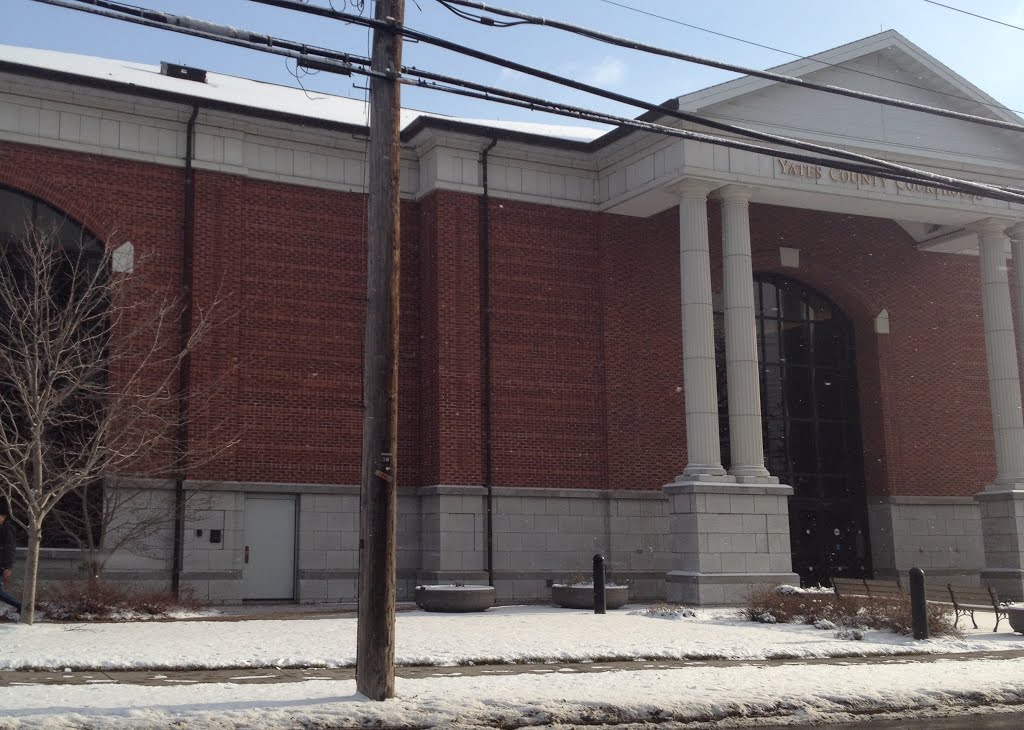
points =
(868, 588)
(968, 599)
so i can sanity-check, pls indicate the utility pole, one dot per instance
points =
(375, 647)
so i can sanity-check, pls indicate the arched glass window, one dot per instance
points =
(20, 213)
(810, 424)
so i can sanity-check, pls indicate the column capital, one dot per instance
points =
(988, 226)
(734, 193)
(1016, 231)
(692, 188)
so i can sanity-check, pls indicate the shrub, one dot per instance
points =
(665, 610)
(816, 607)
(99, 600)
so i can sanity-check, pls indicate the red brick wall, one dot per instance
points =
(643, 350)
(586, 340)
(293, 262)
(450, 433)
(549, 426)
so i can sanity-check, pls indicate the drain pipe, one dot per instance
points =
(187, 251)
(485, 353)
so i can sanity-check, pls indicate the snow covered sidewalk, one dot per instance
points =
(743, 693)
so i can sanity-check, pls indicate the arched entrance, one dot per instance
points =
(811, 425)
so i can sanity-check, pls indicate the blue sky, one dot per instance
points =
(989, 55)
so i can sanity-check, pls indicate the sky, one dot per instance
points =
(988, 54)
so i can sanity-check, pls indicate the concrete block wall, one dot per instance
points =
(453, 522)
(727, 538)
(940, 535)
(1002, 517)
(551, 535)
(214, 571)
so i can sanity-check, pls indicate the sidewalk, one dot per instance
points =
(291, 666)
(276, 675)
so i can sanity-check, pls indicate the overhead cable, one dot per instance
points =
(666, 109)
(816, 58)
(974, 15)
(344, 63)
(769, 75)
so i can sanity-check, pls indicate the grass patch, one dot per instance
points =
(105, 601)
(771, 605)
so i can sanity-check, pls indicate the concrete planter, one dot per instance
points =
(582, 596)
(1016, 616)
(454, 599)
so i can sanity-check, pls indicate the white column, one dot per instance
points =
(742, 369)
(1001, 353)
(699, 380)
(1017, 251)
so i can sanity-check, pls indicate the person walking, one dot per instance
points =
(8, 546)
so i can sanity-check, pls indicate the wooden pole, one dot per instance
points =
(375, 649)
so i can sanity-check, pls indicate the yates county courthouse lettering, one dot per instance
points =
(718, 368)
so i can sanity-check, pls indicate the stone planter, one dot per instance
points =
(454, 599)
(582, 596)
(1016, 616)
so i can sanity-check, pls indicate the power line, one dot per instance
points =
(664, 109)
(344, 63)
(802, 57)
(713, 63)
(974, 15)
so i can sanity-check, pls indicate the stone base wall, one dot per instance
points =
(940, 535)
(543, 536)
(540, 536)
(1002, 518)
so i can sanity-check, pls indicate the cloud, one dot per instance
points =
(508, 76)
(609, 71)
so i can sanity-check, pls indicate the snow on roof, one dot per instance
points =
(255, 94)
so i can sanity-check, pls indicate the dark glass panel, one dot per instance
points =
(803, 449)
(772, 342)
(796, 346)
(772, 407)
(15, 212)
(776, 460)
(829, 344)
(832, 446)
(799, 395)
(769, 300)
(792, 302)
(828, 392)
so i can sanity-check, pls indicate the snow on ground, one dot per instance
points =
(503, 634)
(742, 693)
(735, 695)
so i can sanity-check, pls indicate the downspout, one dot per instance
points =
(187, 251)
(485, 353)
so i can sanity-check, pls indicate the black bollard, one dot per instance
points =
(918, 606)
(599, 602)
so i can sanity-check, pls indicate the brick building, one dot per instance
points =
(859, 414)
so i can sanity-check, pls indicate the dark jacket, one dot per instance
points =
(7, 544)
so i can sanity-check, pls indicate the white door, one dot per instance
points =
(268, 569)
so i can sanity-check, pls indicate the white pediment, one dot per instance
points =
(886, 64)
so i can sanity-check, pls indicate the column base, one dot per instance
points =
(720, 589)
(1002, 528)
(726, 538)
(717, 475)
(755, 479)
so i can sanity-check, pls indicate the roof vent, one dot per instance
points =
(178, 71)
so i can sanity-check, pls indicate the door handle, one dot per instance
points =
(247, 554)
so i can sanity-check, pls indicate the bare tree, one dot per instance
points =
(89, 356)
(103, 518)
